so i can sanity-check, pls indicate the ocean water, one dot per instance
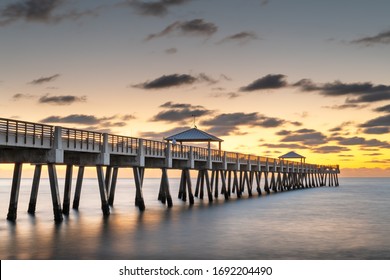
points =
(348, 222)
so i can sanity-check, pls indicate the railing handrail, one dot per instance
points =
(152, 147)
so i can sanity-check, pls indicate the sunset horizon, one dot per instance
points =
(268, 77)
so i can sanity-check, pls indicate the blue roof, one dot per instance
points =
(291, 155)
(193, 135)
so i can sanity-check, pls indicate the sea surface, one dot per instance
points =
(347, 222)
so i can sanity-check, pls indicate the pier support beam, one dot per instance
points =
(55, 194)
(139, 178)
(13, 202)
(185, 185)
(34, 189)
(67, 189)
(103, 190)
(164, 194)
(79, 184)
(113, 186)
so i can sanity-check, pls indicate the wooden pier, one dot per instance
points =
(219, 172)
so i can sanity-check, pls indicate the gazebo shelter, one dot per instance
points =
(194, 135)
(293, 155)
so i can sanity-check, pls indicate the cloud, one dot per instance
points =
(229, 95)
(385, 108)
(43, 80)
(265, 2)
(380, 38)
(229, 123)
(353, 141)
(377, 130)
(330, 149)
(195, 27)
(356, 92)
(179, 112)
(291, 146)
(379, 125)
(163, 134)
(19, 96)
(345, 106)
(241, 37)
(341, 127)
(271, 81)
(74, 118)
(61, 99)
(156, 8)
(91, 122)
(303, 136)
(171, 51)
(174, 80)
(40, 11)
(380, 121)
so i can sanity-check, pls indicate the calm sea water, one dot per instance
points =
(348, 222)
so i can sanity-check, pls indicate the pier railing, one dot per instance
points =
(124, 145)
(14, 133)
(25, 134)
(81, 140)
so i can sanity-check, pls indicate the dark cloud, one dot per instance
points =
(271, 81)
(174, 80)
(180, 112)
(44, 80)
(346, 106)
(161, 135)
(74, 118)
(40, 11)
(30, 10)
(156, 8)
(171, 51)
(291, 146)
(229, 95)
(90, 121)
(61, 99)
(195, 27)
(341, 127)
(20, 96)
(352, 141)
(385, 108)
(380, 38)
(380, 121)
(264, 2)
(330, 149)
(377, 130)
(229, 123)
(379, 125)
(241, 37)
(305, 136)
(356, 92)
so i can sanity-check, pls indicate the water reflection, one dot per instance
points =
(350, 222)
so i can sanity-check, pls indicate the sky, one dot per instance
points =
(266, 76)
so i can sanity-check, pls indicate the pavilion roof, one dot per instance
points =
(193, 135)
(292, 154)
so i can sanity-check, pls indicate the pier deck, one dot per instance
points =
(40, 144)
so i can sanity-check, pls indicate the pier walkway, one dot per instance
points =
(40, 144)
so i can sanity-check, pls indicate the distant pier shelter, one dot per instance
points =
(219, 172)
